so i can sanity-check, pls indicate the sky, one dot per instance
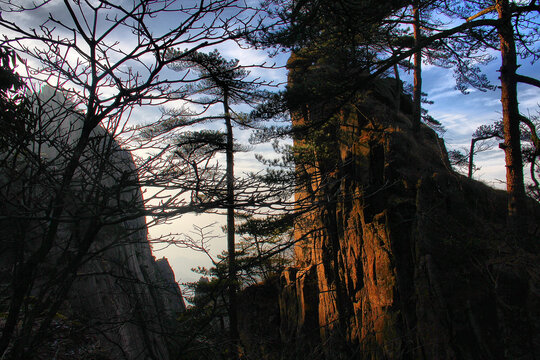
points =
(182, 259)
(460, 115)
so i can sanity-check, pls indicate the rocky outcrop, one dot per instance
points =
(259, 320)
(92, 288)
(168, 288)
(398, 256)
(126, 295)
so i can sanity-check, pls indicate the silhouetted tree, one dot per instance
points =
(73, 48)
(473, 29)
(484, 132)
(226, 83)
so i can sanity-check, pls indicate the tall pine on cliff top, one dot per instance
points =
(516, 26)
(462, 43)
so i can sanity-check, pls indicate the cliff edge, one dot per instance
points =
(82, 284)
(398, 256)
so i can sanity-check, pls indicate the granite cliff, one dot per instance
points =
(94, 289)
(397, 256)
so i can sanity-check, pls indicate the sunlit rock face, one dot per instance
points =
(121, 303)
(398, 256)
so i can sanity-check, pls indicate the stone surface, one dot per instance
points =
(121, 303)
(398, 256)
(123, 291)
(260, 338)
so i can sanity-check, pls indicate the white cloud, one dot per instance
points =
(529, 99)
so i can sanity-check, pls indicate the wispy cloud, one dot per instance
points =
(529, 99)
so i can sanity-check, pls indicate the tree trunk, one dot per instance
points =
(511, 119)
(471, 157)
(398, 88)
(417, 91)
(233, 314)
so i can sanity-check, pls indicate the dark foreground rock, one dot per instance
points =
(86, 287)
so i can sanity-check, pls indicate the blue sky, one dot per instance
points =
(460, 114)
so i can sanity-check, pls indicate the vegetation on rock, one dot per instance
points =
(396, 255)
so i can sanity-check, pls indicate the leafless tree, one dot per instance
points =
(86, 66)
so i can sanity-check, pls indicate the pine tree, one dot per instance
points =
(223, 82)
(475, 26)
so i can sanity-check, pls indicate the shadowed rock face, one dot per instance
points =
(121, 303)
(126, 295)
(124, 291)
(397, 256)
